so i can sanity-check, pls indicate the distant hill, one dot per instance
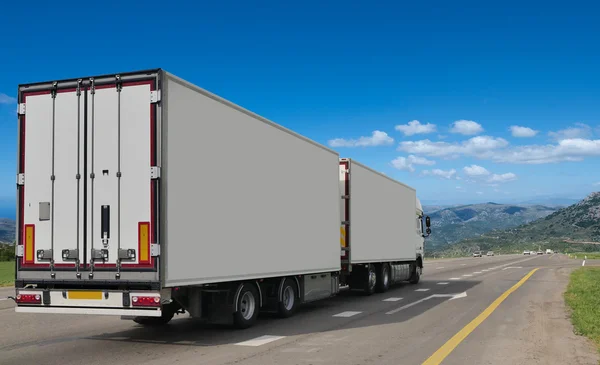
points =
(577, 224)
(453, 224)
(550, 201)
(7, 230)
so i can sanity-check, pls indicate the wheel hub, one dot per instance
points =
(247, 305)
(288, 298)
(372, 278)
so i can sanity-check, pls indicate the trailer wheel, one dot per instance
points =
(383, 278)
(416, 275)
(370, 280)
(247, 305)
(289, 299)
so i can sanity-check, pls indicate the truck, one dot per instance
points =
(144, 196)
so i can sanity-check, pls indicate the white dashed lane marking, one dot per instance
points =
(392, 299)
(442, 283)
(454, 279)
(259, 341)
(422, 290)
(467, 275)
(347, 314)
(477, 272)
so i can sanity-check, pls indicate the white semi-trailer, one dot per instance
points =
(142, 195)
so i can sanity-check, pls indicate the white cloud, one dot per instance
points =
(406, 163)
(566, 150)
(476, 146)
(415, 127)
(498, 150)
(500, 178)
(522, 132)
(378, 138)
(5, 99)
(440, 173)
(581, 131)
(479, 193)
(479, 174)
(596, 184)
(466, 127)
(476, 171)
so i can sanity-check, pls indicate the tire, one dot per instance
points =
(289, 299)
(248, 307)
(369, 280)
(416, 275)
(383, 278)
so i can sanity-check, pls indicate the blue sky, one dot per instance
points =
(350, 75)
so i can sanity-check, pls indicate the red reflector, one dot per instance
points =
(29, 298)
(137, 301)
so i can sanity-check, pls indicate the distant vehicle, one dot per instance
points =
(477, 254)
(540, 252)
(549, 251)
(526, 252)
(490, 253)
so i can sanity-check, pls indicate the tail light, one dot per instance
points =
(138, 301)
(29, 298)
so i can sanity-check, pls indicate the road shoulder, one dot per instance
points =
(533, 323)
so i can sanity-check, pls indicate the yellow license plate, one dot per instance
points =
(96, 295)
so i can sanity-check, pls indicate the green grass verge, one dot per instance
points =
(583, 297)
(7, 273)
(589, 255)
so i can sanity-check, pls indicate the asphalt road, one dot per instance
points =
(453, 316)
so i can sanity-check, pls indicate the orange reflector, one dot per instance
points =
(29, 243)
(144, 242)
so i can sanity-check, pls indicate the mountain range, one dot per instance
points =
(456, 223)
(576, 227)
(7, 230)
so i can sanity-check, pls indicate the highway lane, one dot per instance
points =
(349, 329)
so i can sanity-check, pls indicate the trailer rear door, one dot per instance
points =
(87, 198)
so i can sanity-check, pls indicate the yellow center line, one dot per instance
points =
(449, 346)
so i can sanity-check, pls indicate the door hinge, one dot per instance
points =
(20, 251)
(155, 96)
(345, 196)
(346, 223)
(154, 172)
(21, 110)
(20, 179)
(154, 249)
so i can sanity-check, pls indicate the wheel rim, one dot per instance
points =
(386, 276)
(247, 305)
(372, 278)
(288, 298)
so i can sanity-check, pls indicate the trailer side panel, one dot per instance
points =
(383, 219)
(243, 197)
